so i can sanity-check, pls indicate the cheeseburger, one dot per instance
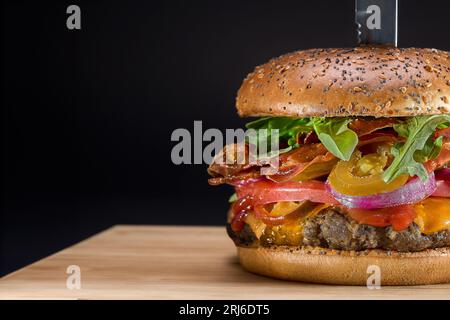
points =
(362, 177)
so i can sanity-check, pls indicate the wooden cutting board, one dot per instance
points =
(162, 262)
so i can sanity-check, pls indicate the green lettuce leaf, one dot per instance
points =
(332, 132)
(233, 198)
(418, 148)
(430, 151)
(443, 125)
(288, 130)
(336, 136)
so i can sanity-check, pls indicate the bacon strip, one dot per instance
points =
(235, 179)
(443, 132)
(302, 158)
(441, 160)
(297, 161)
(377, 137)
(227, 167)
(363, 127)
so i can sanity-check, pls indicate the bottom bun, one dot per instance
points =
(327, 266)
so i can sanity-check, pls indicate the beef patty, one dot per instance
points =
(334, 230)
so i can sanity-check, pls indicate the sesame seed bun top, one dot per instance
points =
(364, 81)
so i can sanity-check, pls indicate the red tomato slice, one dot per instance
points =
(443, 189)
(399, 217)
(264, 192)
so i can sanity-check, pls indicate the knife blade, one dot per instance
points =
(377, 22)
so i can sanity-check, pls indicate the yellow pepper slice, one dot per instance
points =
(361, 176)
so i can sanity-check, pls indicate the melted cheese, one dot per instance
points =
(285, 207)
(256, 225)
(433, 215)
(286, 233)
(317, 209)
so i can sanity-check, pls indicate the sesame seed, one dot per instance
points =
(429, 68)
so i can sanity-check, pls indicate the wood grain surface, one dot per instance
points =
(162, 262)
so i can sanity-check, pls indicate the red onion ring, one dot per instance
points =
(412, 192)
(443, 189)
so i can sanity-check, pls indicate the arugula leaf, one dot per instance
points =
(430, 151)
(288, 130)
(418, 147)
(332, 132)
(336, 136)
(258, 123)
(287, 127)
(233, 198)
(443, 125)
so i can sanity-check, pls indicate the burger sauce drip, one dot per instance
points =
(243, 206)
(240, 210)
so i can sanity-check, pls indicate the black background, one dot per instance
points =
(88, 114)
